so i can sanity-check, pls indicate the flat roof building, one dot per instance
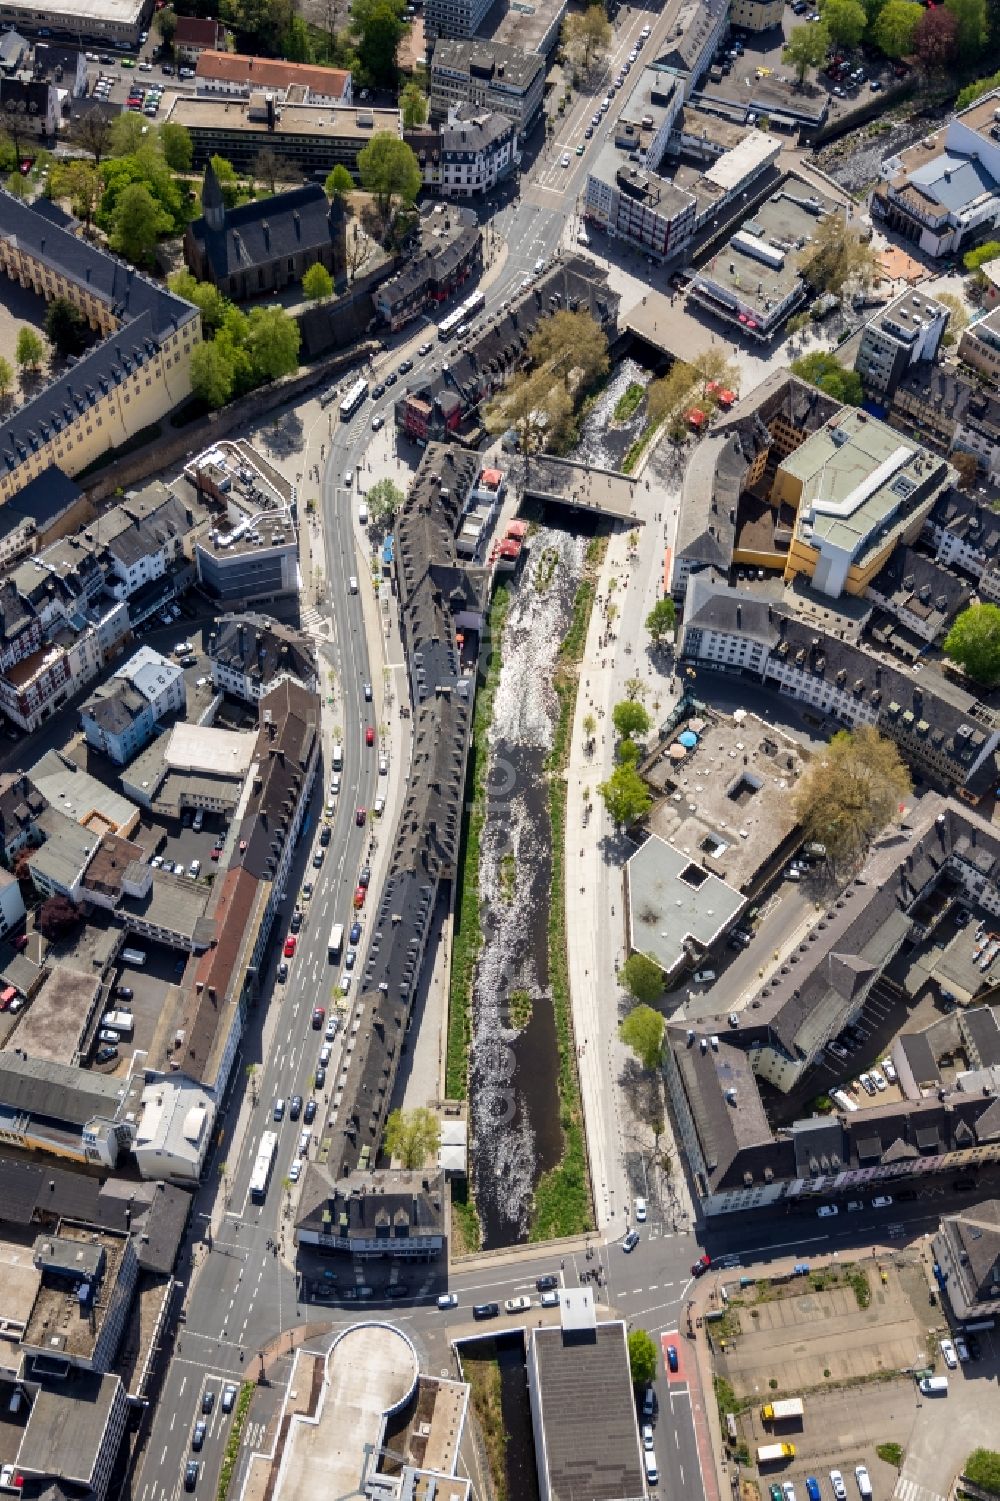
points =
(80, 21)
(911, 328)
(677, 909)
(314, 137)
(575, 1371)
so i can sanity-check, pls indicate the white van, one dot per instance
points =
(119, 1021)
(338, 757)
(934, 1386)
(135, 957)
(363, 514)
(199, 819)
(652, 1473)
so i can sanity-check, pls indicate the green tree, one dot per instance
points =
(389, 171)
(974, 642)
(65, 326)
(137, 223)
(666, 394)
(339, 183)
(823, 370)
(988, 251)
(586, 36)
(81, 183)
(413, 103)
(625, 796)
(206, 298)
(165, 21)
(839, 256)
(211, 373)
(272, 342)
(17, 185)
(630, 719)
(983, 1469)
(6, 378)
(296, 46)
(384, 500)
(973, 29)
(845, 20)
(129, 132)
(661, 619)
(571, 343)
(642, 1029)
(317, 283)
(178, 152)
(413, 1136)
(851, 791)
(642, 1357)
(806, 48)
(378, 26)
(974, 91)
(30, 350)
(896, 27)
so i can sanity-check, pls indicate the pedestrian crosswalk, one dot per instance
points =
(314, 622)
(911, 1490)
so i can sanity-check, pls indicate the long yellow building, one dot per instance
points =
(136, 374)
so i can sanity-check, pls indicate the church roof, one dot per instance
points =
(264, 230)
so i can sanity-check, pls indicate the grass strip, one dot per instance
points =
(562, 1202)
(233, 1442)
(466, 1231)
(483, 1376)
(629, 402)
(640, 445)
(467, 937)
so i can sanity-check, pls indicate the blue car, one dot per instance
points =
(812, 1488)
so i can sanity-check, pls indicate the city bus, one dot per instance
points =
(468, 310)
(353, 400)
(261, 1175)
(336, 942)
(449, 325)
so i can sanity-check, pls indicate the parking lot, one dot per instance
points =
(149, 988)
(841, 1429)
(804, 1333)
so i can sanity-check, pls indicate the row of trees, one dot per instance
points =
(239, 350)
(567, 355)
(953, 32)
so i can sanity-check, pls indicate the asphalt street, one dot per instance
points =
(244, 1292)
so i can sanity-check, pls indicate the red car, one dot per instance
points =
(289, 948)
(217, 852)
(701, 1266)
(369, 736)
(360, 817)
(319, 1016)
(359, 897)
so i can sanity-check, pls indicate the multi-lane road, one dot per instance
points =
(244, 1292)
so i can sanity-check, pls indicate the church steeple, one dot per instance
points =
(213, 205)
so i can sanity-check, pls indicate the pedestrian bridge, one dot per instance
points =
(581, 487)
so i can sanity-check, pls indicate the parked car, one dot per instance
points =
(106, 1055)
(703, 976)
(826, 1211)
(671, 1357)
(550, 1299)
(701, 1266)
(882, 1201)
(309, 1114)
(104, 1035)
(517, 1305)
(290, 946)
(948, 1351)
(640, 1210)
(839, 1488)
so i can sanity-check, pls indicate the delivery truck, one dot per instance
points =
(782, 1412)
(119, 1021)
(770, 1454)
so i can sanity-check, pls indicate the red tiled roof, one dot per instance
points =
(271, 73)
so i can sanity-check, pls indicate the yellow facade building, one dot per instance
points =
(136, 374)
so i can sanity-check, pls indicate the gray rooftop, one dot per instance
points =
(582, 1373)
(675, 904)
